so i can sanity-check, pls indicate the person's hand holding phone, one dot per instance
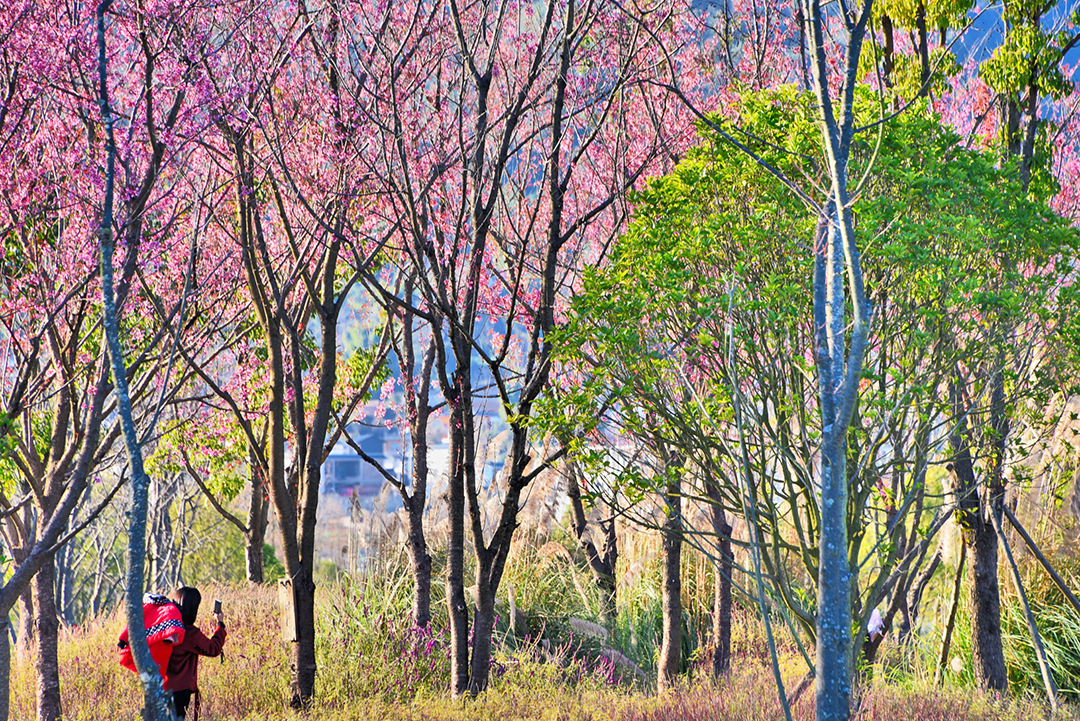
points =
(217, 612)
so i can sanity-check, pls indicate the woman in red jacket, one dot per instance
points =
(182, 677)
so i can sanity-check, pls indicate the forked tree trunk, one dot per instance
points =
(491, 557)
(981, 539)
(46, 625)
(601, 562)
(667, 671)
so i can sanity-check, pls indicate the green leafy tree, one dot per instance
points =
(699, 334)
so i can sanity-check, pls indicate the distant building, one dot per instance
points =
(346, 473)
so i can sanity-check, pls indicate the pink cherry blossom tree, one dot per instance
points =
(507, 141)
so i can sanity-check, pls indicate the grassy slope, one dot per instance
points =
(371, 667)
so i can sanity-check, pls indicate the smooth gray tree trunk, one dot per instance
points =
(158, 706)
(840, 348)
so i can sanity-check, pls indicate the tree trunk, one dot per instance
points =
(5, 666)
(46, 666)
(601, 563)
(721, 616)
(923, 50)
(415, 503)
(835, 578)
(491, 558)
(455, 559)
(834, 593)
(157, 706)
(950, 618)
(482, 636)
(24, 639)
(989, 657)
(671, 591)
(981, 539)
(607, 582)
(302, 661)
(257, 520)
(888, 51)
(253, 557)
(421, 563)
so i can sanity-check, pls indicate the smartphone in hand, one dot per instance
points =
(217, 605)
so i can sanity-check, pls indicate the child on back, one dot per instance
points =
(182, 677)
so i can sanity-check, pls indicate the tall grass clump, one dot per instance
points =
(1059, 628)
(368, 647)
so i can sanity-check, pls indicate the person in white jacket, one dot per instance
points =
(876, 626)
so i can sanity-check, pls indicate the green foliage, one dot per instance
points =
(359, 364)
(40, 429)
(38, 230)
(221, 458)
(273, 569)
(711, 289)
(1029, 52)
(938, 13)
(718, 233)
(907, 73)
(217, 551)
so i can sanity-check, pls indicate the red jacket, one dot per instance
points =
(183, 671)
(164, 631)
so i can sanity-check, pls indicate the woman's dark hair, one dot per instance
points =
(188, 599)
